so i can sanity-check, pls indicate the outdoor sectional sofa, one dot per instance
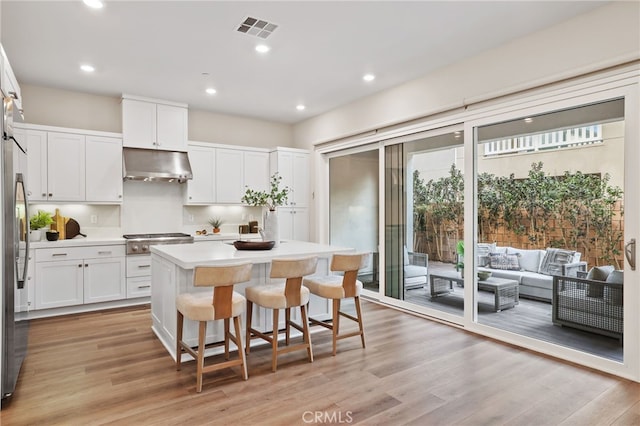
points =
(533, 269)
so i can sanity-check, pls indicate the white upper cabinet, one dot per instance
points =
(200, 189)
(71, 165)
(65, 167)
(36, 142)
(256, 170)
(172, 127)
(229, 178)
(293, 166)
(221, 173)
(152, 124)
(138, 124)
(103, 169)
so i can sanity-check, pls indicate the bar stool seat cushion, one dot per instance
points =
(328, 286)
(199, 306)
(272, 296)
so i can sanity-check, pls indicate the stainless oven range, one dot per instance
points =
(139, 243)
(139, 259)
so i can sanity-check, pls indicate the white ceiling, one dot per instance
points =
(319, 52)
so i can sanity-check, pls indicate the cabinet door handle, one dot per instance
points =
(80, 265)
(50, 194)
(44, 194)
(58, 254)
(144, 286)
(86, 265)
(104, 252)
(144, 266)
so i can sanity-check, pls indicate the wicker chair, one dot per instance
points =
(589, 305)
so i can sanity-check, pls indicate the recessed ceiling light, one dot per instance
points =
(528, 120)
(211, 91)
(300, 107)
(369, 77)
(95, 4)
(262, 48)
(87, 68)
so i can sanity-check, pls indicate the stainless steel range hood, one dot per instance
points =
(153, 165)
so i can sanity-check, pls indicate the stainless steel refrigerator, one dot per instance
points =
(15, 248)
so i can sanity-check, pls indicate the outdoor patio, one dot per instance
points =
(530, 318)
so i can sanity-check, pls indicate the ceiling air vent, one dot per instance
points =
(257, 27)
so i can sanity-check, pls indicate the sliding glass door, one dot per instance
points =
(424, 220)
(353, 206)
(550, 226)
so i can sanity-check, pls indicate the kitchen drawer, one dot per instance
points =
(138, 266)
(62, 253)
(138, 287)
(96, 252)
(76, 253)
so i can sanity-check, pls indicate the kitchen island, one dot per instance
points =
(172, 273)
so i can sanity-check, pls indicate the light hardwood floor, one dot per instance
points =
(109, 368)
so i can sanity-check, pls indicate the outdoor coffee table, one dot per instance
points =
(505, 290)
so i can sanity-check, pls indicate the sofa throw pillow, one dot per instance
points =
(507, 262)
(554, 259)
(598, 273)
(613, 295)
(483, 251)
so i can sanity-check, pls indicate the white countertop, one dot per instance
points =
(76, 242)
(187, 256)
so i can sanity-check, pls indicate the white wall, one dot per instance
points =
(606, 36)
(65, 108)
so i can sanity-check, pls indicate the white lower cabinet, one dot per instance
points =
(79, 275)
(104, 280)
(59, 284)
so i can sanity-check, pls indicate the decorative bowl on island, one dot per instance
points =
(254, 245)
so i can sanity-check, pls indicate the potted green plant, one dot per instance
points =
(38, 221)
(270, 199)
(215, 222)
(460, 257)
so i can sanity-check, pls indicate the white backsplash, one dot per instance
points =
(195, 218)
(151, 207)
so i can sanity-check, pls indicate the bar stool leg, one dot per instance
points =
(287, 321)
(236, 323)
(360, 324)
(226, 338)
(336, 324)
(274, 341)
(179, 326)
(249, 315)
(201, 334)
(305, 332)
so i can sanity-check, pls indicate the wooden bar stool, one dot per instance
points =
(202, 307)
(287, 295)
(338, 287)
